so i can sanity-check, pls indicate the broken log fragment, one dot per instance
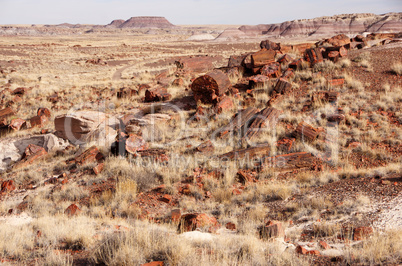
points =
(285, 59)
(6, 112)
(240, 119)
(282, 86)
(313, 56)
(268, 117)
(224, 105)
(263, 57)
(325, 96)
(236, 60)
(288, 74)
(267, 44)
(331, 52)
(198, 64)
(336, 82)
(296, 64)
(209, 87)
(259, 151)
(156, 155)
(306, 132)
(271, 70)
(290, 162)
(157, 94)
(257, 81)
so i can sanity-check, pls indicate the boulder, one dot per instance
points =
(193, 221)
(11, 150)
(72, 210)
(87, 126)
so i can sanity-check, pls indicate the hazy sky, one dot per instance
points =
(184, 11)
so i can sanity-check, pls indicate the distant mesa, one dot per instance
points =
(115, 23)
(345, 23)
(142, 22)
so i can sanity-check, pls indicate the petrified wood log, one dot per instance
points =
(157, 94)
(325, 96)
(210, 87)
(239, 121)
(290, 162)
(263, 57)
(268, 117)
(313, 55)
(282, 86)
(306, 132)
(288, 74)
(236, 60)
(343, 52)
(198, 64)
(6, 112)
(250, 153)
(267, 44)
(271, 70)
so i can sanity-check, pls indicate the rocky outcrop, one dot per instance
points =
(346, 23)
(115, 23)
(146, 22)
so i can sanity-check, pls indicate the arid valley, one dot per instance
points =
(141, 142)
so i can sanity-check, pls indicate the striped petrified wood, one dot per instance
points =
(306, 132)
(240, 119)
(267, 118)
(290, 162)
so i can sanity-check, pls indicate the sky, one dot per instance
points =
(184, 12)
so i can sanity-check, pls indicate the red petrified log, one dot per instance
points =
(313, 56)
(268, 117)
(306, 132)
(157, 94)
(282, 86)
(210, 87)
(263, 57)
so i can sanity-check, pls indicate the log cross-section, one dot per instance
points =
(209, 87)
(263, 57)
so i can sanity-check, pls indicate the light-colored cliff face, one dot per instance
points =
(345, 23)
(147, 22)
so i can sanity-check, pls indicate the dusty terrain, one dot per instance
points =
(115, 150)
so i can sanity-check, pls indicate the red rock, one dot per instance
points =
(91, 155)
(44, 111)
(361, 233)
(178, 82)
(176, 215)
(272, 70)
(301, 250)
(230, 226)
(136, 143)
(32, 153)
(157, 94)
(98, 169)
(224, 105)
(192, 221)
(18, 124)
(336, 82)
(7, 186)
(324, 244)
(72, 210)
(313, 252)
(39, 121)
(236, 191)
(245, 176)
(354, 144)
(272, 229)
(19, 91)
(166, 198)
(153, 263)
